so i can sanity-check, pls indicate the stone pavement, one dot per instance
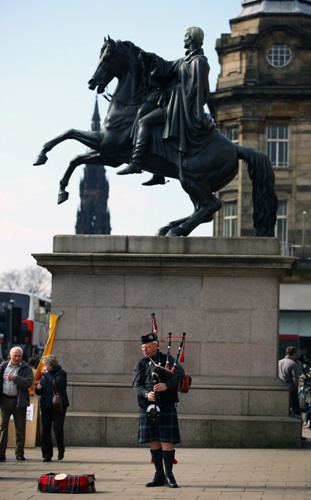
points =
(248, 474)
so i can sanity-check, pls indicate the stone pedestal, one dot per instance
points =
(223, 292)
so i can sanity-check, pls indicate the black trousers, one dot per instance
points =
(294, 406)
(49, 418)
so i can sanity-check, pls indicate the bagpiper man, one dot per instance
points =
(158, 421)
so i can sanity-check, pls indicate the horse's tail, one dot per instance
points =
(265, 202)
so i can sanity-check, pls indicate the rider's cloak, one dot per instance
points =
(186, 121)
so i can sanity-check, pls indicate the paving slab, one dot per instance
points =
(121, 473)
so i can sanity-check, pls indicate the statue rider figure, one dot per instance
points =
(180, 108)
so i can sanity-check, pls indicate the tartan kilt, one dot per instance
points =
(166, 432)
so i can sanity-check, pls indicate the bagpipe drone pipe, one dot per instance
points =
(162, 374)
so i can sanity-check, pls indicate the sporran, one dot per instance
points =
(154, 414)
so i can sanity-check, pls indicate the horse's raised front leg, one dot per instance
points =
(89, 139)
(90, 158)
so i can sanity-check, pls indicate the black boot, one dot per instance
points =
(132, 168)
(168, 458)
(158, 479)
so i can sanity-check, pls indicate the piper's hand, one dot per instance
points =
(151, 396)
(159, 387)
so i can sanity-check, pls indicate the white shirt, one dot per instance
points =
(9, 388)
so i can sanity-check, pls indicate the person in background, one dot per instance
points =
(16, 378)
(164, 435)
(289, 372)
(33, 364)
(52, 372)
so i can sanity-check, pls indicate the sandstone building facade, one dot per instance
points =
(263, 100)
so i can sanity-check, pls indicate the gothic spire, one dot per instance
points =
(95, 125)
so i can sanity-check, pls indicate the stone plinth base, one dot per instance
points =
(223, 292)
(197, 431)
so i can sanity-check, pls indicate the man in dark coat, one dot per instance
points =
(153, 396)
(182, 107)
(16, 377)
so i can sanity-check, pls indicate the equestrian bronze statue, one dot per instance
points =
(156, 122)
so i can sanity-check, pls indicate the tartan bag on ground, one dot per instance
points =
(63, 483)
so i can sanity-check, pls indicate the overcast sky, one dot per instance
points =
(49, 50)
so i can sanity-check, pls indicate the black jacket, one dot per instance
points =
(23, 381)
(143, 382)
(60, 379)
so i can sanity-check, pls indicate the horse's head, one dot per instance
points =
(108, 67)
(120, 59)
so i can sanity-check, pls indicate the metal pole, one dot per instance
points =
(10, 308)
(303, 233)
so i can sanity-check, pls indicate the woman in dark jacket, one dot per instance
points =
(52, 372)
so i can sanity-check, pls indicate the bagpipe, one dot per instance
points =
(164, 373)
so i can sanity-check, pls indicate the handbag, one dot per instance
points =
(57, 400)
(63, 483)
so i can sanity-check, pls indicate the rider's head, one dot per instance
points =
(194, 35)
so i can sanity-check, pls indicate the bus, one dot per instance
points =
(24, 321)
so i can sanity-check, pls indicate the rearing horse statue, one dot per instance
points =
(202, 174)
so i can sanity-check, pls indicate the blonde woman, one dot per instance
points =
(52, 373)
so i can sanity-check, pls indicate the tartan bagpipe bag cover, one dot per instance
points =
(63, 483)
